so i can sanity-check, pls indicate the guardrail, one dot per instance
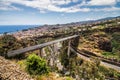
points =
(90, 54)
(32, 48)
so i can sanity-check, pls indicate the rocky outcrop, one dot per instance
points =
(11, 71)
(105, 44)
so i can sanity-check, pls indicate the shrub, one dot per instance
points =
(68, 78)
(36, 65)
(110, 73)
(21, 63)
(6, 43)
(9, 43)
(116, 36)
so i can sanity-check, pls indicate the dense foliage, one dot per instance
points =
(36, 65)
(7, 42)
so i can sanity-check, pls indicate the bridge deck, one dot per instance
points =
(32, 48)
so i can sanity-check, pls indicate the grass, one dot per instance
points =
(111, 55)
(116, 44)
(108, 54)
(116, 36)
(108, 72)
(22, 65)
(116, 47)
(52, 76)
(89, 42)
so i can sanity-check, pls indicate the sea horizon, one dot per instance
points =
(15, 28)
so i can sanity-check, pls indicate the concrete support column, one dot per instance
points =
(51, 55)
(68, 52)
(40, 52)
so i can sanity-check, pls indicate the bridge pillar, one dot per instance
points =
(52, 55)
(69, 44)
(40, 52)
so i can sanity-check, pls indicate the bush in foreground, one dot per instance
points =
(36, 65)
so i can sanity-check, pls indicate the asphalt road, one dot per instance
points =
(101, 63)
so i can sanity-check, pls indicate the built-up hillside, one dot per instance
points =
(79, 58)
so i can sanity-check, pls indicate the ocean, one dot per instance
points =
(14, 28)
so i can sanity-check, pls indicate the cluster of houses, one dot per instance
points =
(61, 28)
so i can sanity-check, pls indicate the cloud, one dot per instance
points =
(7, 6)
(101, 2)
(60, 2)
(49, 5)
(75, 0)
(58, 5)
(107, 9)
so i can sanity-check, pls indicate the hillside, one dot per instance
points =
(102, 42)
(12, 71)
(53, 61)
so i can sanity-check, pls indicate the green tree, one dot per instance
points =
(36, 65)
(7, 42)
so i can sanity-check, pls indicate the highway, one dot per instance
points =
(84, 56)
(101, 63)
(32, 48)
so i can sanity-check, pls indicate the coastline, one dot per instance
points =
(15, 28)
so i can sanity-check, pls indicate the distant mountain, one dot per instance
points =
(93, 21)
(79, 23)
(108, 18)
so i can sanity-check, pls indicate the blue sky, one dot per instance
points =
(22, 12)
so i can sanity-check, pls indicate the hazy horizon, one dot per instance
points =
(40, 12)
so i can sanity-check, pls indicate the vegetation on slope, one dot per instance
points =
(36, 65)
(103, 41)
